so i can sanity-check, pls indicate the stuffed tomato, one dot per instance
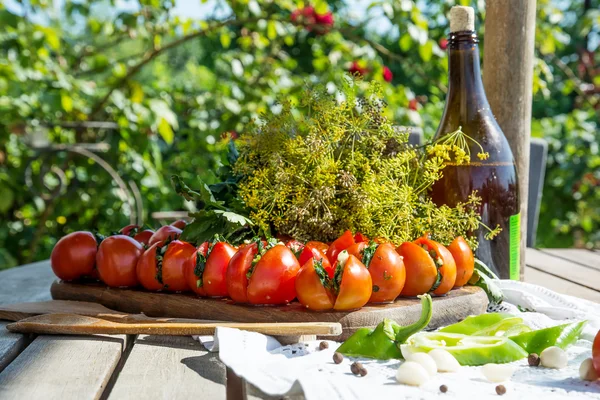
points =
(385, 266)
(162, 266)
(206, 274)
(263, 273)
(350, 288)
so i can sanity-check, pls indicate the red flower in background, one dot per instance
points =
(387, 74)
(443, 43)
(356, 68)
(308, 16)
(412, 105)
(230, 135)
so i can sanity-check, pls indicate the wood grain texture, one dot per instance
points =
(27, 283)
(73, 324)
(446, 310)
(560, 285)
(56, 367)
(507, 77)
(169, 367)
(11, 344)
(584, 257)
(564, 269)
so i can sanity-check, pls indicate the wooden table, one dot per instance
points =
(150, 367)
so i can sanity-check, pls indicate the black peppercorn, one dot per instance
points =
(443, 388)
(362, 371)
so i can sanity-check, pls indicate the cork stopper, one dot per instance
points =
(462, 19)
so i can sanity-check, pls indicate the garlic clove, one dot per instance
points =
(497, 372)
(407, 351)
(412, 373)
(587, 372)
(444, 361)
(553, 357)
(426, 362)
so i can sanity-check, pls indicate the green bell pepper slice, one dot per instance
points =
(383, 342)
(538, 341)
(468, 350)
(493, 324)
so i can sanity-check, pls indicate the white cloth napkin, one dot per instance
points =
(303, 369)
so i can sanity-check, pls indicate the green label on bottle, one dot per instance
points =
(514, 246)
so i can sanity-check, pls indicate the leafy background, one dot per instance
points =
(173, 88)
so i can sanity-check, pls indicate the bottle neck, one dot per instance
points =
(465, 87)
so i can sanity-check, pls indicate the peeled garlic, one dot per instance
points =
(407, 351)
(412, 373)
(426, 362)
(497, 372)
(587, 372)
(444, 361)
(553, 357)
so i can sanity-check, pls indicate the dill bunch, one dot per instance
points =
(316, 169)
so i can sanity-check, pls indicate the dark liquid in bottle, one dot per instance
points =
(496, 185)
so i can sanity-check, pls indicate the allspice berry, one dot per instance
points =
(356, 367)
(500, 390)
(338, 357)
(443, 388)
(323, 345)
(362, 371)
(533, 360)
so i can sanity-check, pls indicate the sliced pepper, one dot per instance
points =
(475, 323)
(560, 336)
(468, 350)
(483, 277)
(383, 342)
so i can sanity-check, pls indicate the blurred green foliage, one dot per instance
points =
(177, 88)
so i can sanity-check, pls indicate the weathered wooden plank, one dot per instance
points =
(508, 76)
(166, 367)
(11, 344)
(564, 269)
(584, 257)
(59, 367)
(560, 285)
(27, 283)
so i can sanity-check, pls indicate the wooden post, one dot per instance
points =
(508, 80)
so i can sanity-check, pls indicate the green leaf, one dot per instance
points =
(405, 42)
(7, 197)
(66, 102)
(271, 30)
(426, 51)
(225, 40)
(234, 218)
(203, 195)
(165, 130)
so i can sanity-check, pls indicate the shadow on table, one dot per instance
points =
(207, 366)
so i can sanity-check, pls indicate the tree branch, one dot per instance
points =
(156, 52)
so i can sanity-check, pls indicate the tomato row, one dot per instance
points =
(346, 274)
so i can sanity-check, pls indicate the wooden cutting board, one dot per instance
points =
(448, 309)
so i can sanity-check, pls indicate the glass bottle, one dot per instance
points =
(495, 178)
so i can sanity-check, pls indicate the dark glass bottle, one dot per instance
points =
(495, 178)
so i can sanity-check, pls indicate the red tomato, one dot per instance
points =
(74, 256)
(311, 252)
(144, 236)
(310, 289)
(596, 353)
(323, 247)
(129, 230)
(146, 268)
(177, 257)
(421, 272)
(197, 266)
(445, 262)
(355, 285)
(116, 260)
(179, 224)
(359, 237)
(295, 246)
(164, 233)
(213, 276)
(465, 262)
(340, 244)
(274, 276)
(386, 268)
(239, 266)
